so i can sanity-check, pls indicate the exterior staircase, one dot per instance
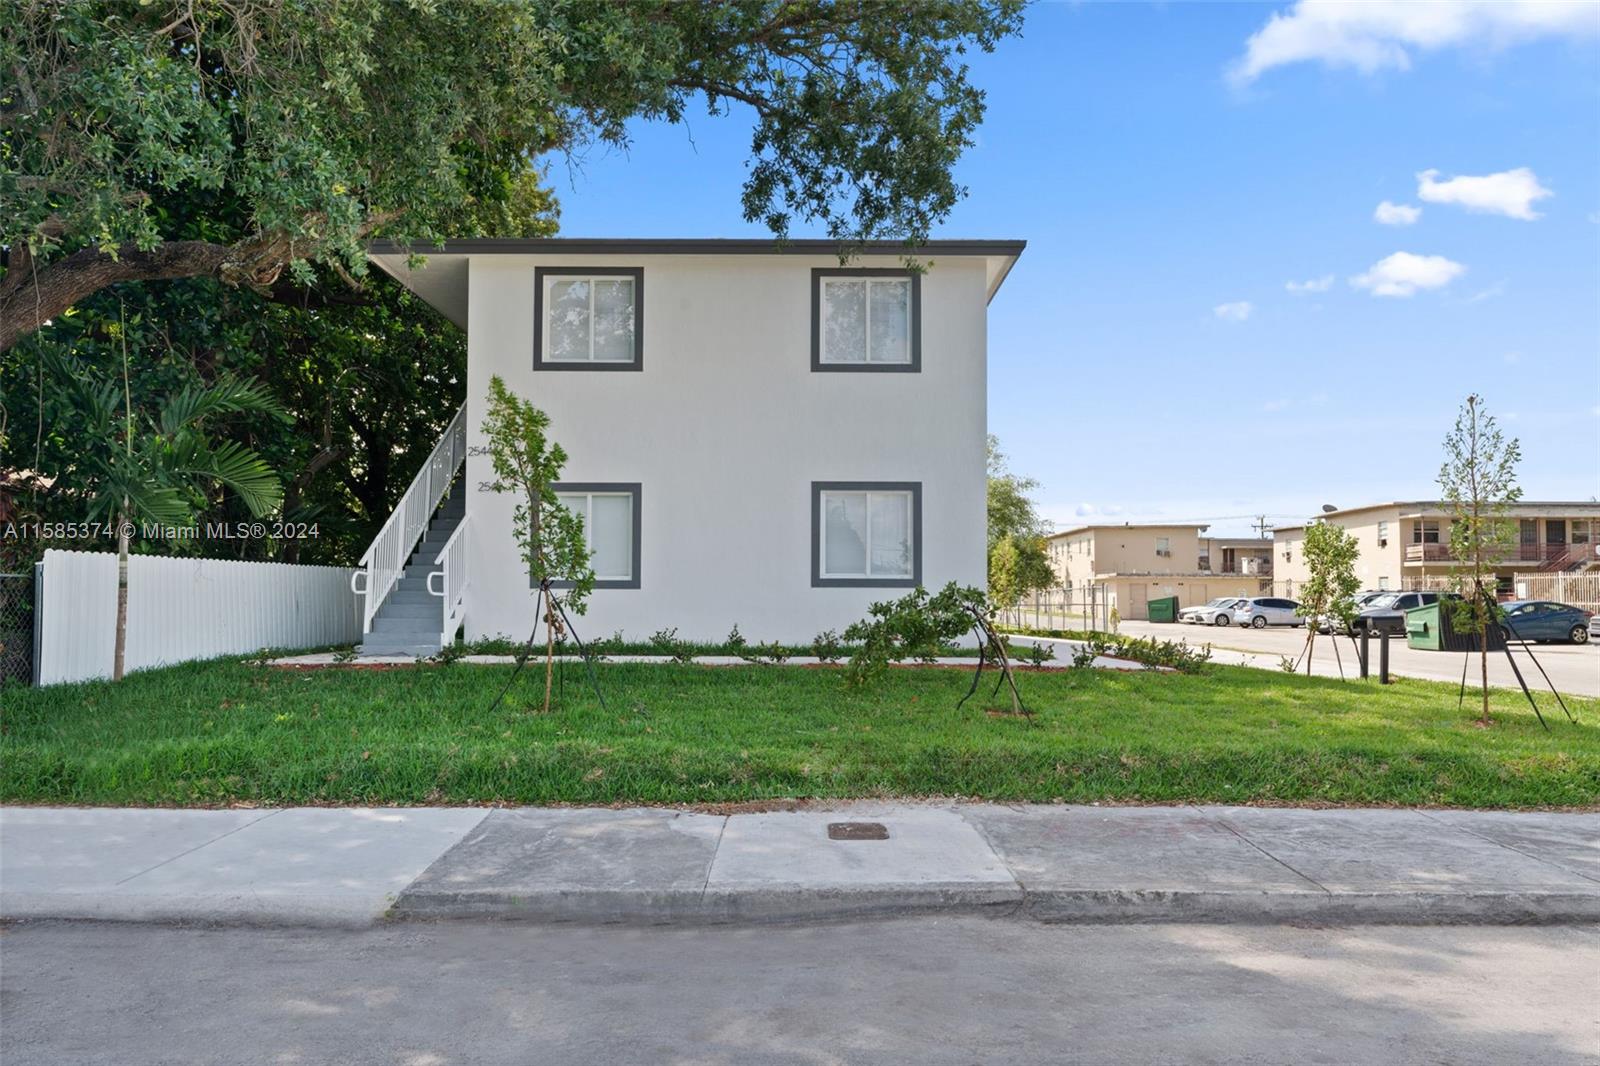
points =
(407, 623)
(413, 578)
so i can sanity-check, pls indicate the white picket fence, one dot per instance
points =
(184, 609)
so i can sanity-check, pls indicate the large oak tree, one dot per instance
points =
(315, 125)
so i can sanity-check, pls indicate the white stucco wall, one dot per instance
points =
(725, 428)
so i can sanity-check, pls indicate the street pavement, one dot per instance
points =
(353, 867)
(1574, 668)
(926, 991)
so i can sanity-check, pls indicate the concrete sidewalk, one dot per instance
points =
(351, 867)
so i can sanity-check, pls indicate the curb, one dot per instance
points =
(1066, 906)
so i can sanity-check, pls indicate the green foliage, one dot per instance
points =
(1018, 566)
(827, 647)
(1175, 654)
(916, 624)
(527, 463)
(368, 383)
(735, 641)
(1330, 554)
(317, 125)
(1479, 481)
(1018, 560)
(1039, 654)
(156, 462)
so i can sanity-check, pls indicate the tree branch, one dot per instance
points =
(31, 299)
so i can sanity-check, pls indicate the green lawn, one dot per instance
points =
(225, 732)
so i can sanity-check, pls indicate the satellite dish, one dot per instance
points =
(1328, 508)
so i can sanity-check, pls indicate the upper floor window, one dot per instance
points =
(1425, 531)
(1163, 546)
(866, 534)
(866, 320)
(588, 318)
(1383, 534)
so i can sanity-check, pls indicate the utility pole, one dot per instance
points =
(1262, 526)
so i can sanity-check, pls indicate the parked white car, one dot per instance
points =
(1259, 612)
(1219, 612)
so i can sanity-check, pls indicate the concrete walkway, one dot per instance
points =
(348, 867)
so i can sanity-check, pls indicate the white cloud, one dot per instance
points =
(1093, 510)
(1322, 284)
(1382, 34)
(1496, 290)
(1403, 273)
(1513, 358)
(1237, 311)
(1275, 405)
(1510, 192)
(1396, 214)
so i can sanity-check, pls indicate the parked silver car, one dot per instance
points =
(1388, 612)
(1362, 601)
(1219, 612)
(1259, 612)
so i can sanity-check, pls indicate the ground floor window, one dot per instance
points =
(610, 513)
(866, 534)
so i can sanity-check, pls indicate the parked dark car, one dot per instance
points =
(1543, 620)
(1388, 613)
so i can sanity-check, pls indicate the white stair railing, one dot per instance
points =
(386, 557)
(452, 575)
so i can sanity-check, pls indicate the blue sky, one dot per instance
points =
(1163, 182)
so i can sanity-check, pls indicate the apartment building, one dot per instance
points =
(1135, 564)
(756, 435)
(1407, 544)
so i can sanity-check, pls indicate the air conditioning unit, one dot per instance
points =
(1383, 542)
(1164, 554)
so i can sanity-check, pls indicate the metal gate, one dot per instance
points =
(16, 628)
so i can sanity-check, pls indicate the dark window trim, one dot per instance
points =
(633, 487)
(820, 582)
(819, 367)
(540, 273)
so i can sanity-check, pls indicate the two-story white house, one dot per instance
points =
(756, 436)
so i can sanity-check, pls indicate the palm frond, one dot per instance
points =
(240, 469)
(227, 395)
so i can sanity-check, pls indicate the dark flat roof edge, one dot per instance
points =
(689, 246)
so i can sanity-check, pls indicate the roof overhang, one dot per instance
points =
(440, 278)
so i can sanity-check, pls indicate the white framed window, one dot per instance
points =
(1425, 531)
(1383, 534)
(866, 320)
(866, 534)
(588, 318)
(1164, 546)
(1383, 584)
(611, 525)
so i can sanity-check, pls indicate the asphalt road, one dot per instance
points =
(926, 992)
(1574, 668)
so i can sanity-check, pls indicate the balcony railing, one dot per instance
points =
(1539, 555)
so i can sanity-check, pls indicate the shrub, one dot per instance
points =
(827, 647)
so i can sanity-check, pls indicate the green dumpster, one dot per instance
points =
(1430, 628)
(1425, 627)
(1164, 609)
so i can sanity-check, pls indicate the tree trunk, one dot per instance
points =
(549, 649)
(122, 595)
(31, 299)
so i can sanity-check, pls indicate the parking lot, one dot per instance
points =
(1573, 668)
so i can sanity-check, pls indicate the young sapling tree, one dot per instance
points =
(1329, 591)
(1479, 479)
(526, 462)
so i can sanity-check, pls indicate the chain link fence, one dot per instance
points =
(16, 628)
(1083, 607)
